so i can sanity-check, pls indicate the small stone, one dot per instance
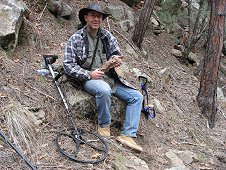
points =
(40, 114)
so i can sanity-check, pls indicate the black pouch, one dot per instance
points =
(76, 83)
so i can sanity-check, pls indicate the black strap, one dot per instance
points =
(95, 51)
(74, 81)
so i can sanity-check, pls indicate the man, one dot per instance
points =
(85, 52)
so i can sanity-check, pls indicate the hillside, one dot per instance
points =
(178, 126)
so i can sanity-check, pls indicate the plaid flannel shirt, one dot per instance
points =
(77, 51)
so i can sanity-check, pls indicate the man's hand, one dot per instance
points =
(97, 74)
(113, 62)
(119, 60)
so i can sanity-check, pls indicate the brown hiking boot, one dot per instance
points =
(105, 131)
(128, 141)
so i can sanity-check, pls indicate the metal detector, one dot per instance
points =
(77, 144)
(7, 141)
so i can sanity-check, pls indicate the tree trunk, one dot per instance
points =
(141, 25)
(193, 35)
(208, 85)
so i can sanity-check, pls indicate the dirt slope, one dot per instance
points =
(179, 126)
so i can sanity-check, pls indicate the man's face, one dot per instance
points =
(93, 19)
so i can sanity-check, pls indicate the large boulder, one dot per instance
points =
(117, 12)
(11, 16)
(59, 8)
(123, 15)
(84, 105)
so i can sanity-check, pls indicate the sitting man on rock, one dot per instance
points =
(85, 52)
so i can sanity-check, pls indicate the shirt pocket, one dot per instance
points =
(90, 54)
(87, 61)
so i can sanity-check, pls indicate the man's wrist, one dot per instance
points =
(90, 75)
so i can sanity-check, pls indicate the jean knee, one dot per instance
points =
(140, 97)
(137, 97)
(105, 91)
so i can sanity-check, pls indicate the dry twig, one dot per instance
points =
(189, 143)
(221, 111)
(175, 105)
(42, 93)
(127, 41)
(15, 88)
(42, 12)
(109, 27)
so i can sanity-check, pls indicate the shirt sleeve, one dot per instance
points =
(71, 60)
(113, 45)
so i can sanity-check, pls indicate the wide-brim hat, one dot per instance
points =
(92, 7)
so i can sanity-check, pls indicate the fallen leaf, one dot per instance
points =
(96, 155)
(16, 60)
(2, 95)
(44, 145)
(42, 156)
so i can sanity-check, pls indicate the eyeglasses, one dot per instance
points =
(95, 15)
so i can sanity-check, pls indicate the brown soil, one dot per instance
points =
(180, 126)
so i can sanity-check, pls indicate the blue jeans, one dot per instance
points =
(103, 92)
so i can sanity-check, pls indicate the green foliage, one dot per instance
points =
(167, 19)
(171, 6)
(192, 18)
(120, 159)
(205, 13)
(170, 13)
